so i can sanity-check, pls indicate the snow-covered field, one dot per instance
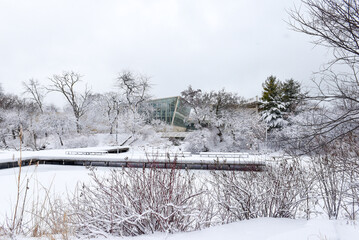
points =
(59, 179)
(63, 179)
(270, 229)
(260, 229)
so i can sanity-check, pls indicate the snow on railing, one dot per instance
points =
(86, 153)
(169, 154)
(224, 154)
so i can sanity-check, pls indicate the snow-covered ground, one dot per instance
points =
(270, 229)
(260, 229)
(63, 179)
(59, 179)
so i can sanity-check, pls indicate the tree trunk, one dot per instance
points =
(78, 127)
(35, 139)
(62, 144)
(220, 135)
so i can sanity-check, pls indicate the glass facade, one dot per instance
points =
(171, 111)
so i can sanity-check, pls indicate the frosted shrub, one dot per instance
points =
(199, 141)
(132, 202)
(337, 176)
(277, 192)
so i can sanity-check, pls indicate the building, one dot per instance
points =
(172, 111)
(175, 113)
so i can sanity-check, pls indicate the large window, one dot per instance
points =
(170, 110)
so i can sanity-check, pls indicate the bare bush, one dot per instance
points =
(132, 202)
(337, 175)
(277, 192)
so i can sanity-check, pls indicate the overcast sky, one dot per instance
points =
(208, 44)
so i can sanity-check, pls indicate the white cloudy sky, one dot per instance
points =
(210, 44)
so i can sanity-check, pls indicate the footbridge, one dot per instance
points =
(125, 157)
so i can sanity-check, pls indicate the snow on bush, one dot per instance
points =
(276, 192)
(132, 202)
(199, 141)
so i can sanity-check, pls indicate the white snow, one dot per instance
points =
(59, 179)
(63, 179)
(270, 229)
(262, 229)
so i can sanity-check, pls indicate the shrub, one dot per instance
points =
(132, 202)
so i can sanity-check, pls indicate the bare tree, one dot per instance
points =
(36, 91)
(65, 83)
(223, 105)
(334, 24)
(134, 88)
(113, 104)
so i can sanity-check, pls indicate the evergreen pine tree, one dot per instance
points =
(272, 105)
(272, 89)
(291, 94)
(279, 100)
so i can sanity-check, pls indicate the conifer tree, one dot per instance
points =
(271, 91)
(272, 105)
(291, 94)
(279, 99)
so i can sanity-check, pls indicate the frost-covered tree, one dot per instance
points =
(112, 105)
(135, 89)
(199, 104)
(16, 113)
(279, 100)
(58, 124)
(272, 105)
(222, 107)
(291, 94)
(220, 120)
(271, 89)
(36, 94)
